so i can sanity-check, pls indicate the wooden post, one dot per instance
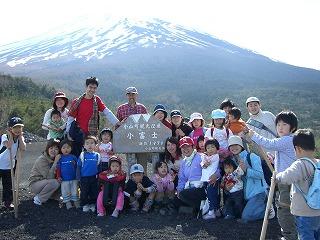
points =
(13, 183)
(268, 207)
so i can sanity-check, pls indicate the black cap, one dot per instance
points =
(15, 121)
(175, 113)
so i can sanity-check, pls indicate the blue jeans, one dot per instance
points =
(213, 196)
(255, 208)
(308, 227)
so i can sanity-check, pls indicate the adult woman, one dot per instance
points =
(161, 114)
(42, 179)
(60, 103)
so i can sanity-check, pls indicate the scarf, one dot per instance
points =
(188, 160)
(94, 119)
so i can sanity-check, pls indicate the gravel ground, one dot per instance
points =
(50, 222)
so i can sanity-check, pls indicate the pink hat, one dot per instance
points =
(186, 141)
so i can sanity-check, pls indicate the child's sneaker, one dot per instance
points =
(209, 215)
(115, 213)
(134, 206)
(272, 213)
(227, 217)
(92, 207)
(68, 205)
(100, 214)
(86, 208)
(9, 205)
(36, 200)
(147, 205)
(76, 204)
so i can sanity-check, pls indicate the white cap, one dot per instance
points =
(195, 116)
(132, 90)
(136, 168)
(252, 99)
(235, 140)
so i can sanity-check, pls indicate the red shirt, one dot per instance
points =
(85, 110)
(125, 110)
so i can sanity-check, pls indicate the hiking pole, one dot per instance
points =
(13, 185)
(268, 207)
(17, 180)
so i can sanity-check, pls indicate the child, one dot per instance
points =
(236, 124)
(112, 191)
(210, 164)
(66, 174)
(10, 143)
(160, 113)
(197, 123)
(220, 132)
(141, 189)
(254, 184)
(164, 183)
(286, 125)
(200, 144)
(87, 173)
(105, 148)
(234, 196)
(300, 174)
(179, 127)
(56, 125)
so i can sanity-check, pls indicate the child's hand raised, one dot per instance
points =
(140, 187)
(242, 165)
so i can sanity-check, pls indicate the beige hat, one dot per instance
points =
(252, 99)
(235, 140)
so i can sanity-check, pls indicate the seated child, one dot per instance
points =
(56, 125)
(111, 194)
(66, 174)
(141, 189)
(300, 176)
(105, 148)
(210, 164)
(87, 170)
(164, 182)
(233, 196)
(236, 124)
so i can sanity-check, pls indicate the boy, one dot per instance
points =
(56, 125)
(236, 124)
(300, 175)
(10, 143)
(87, 174)
(141, 189)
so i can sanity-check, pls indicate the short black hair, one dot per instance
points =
(212, 141)
(226, 103)
(91, 137)
(55, 112)
(65, 141)
(92, 80)
(288, 117)
(229, 161)
(158, 164)
(304, 138)
(235, 112)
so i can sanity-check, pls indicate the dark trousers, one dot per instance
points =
(193, 196)
(88, 190)
(234, 204)
(213, 196)
(5, 176)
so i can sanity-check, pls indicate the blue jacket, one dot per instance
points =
(88, 164)
(67, 166)
(254, 182)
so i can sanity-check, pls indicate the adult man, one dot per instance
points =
(85, 110)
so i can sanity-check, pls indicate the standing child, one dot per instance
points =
(301, 175)
(220, 132)
(10, 143)
(141, 189)
(164, 182)
(197, 124)
(66, 174)
(105, 148)
(56, 125)
(210, 165)
(233, 196)
(236, 124)
(112, 190)
(87, 173)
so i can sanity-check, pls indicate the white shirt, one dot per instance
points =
(104, 149)
(5, 156)
(220, 135)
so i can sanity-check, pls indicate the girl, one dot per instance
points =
(112, 191)
(105, 148)
(200, 145)
(164, 182)
(220, 132)
(210, 165)
(197, 122)
(66, 175)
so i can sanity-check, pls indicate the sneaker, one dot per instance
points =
(100, 214)
(76, 204)
(9, 205)
(209, 215)
(92, 207)
(86, 208)
(272, 213)
(115, 213)
(36, 200)
(134, 206)
(147, 205)
(68, 205)
(227, 217)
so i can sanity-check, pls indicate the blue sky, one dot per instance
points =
(286, 30)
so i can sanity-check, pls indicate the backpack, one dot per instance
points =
(227, 131)
(313, 195)
(266, 170)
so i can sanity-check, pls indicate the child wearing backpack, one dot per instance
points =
(11, 142)
(304, 177)
(286, 125)
(197, 124)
